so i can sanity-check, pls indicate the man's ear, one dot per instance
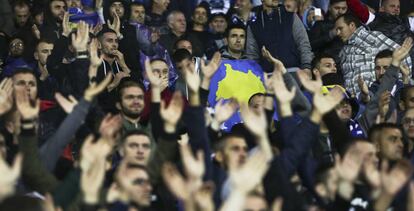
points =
(36, 55)
(219, 157)
(381, 9)
(321, 190)
(226, 41)
(121, 151)
(118, 105)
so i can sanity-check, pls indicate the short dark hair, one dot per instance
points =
(383, 54)
(350, 18)
(126, 84)
(104, 30)
(317, 60)
(234, 26)
(135, 133)
(180, 40)
(180, 55)
(255, 95)
(221, 142)
(23, 70)
(137, 4)
(332, 2)
(405, 90)
(158, 60)
(378, 128)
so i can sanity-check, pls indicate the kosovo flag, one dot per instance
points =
(239, 79)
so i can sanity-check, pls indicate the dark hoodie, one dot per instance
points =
(50, 29)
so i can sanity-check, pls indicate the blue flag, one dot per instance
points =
(238, 79)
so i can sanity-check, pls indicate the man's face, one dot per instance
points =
(218, 24)
(256, 103)
(118, 8)
(390, 144)
(408, 123)
(255, 203)
(242, 5)
(337, 9)
(138, 14)
(43, 51)
(26, 81)
(236, 40)
(185, 44)
(38, 19)
(270, 3)
(58, 9)
(109, 44)
(291, 5)
(381, 65)
(74, 3)
(137, 148)
(188, 63)
(343, 30)
(409, 99)
(200, 16)
(16, 47)
(161, 4)
(234, 152)
(326, 65)
(344, 110)
(178, 24)
(141, 186)
(132, 101)
(161, 70)
(391, 7)
(21, 14)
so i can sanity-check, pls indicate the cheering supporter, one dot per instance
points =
(118, 105)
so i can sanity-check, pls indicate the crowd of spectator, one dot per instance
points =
(104, 105)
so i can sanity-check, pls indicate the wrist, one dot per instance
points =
(316, 116)
(396, 63)
(285, 109)
(82, 54)
(169, 128)
(90, 198)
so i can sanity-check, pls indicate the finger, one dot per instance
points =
(73, 99)
(200, 155)
(3, 83)
(9, 86)
(17, 165)
(277, 204)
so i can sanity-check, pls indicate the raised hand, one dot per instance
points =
(92, 150)
(247, 177)
(349, 166)
(80, 40)
(116, 24)
(224, 110)
(203, 197)
(173, 112)
(283, 95)
(65, 25)
(27, 110)
(405, 71)
(312, 86)
(384, 104)
(400, 53)
(212, 67)
(363, 86)
(325, 103)
(175, 182)
(9, 176)
(110, 126)
(36, 31)
(278, 66)
(6, 100)
(255, 123)
(94, 89)
(192, 79)
(193, 166)
(117, 79)
(154, 79)
(393, 180)
(95, 61)
(92, 179)
(67, 104)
